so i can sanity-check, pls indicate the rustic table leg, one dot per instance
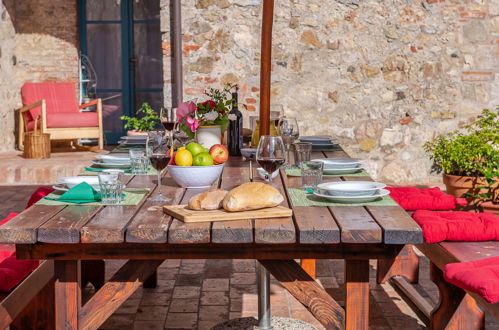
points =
(357, 294)
(457, 309)
(309, 265)
(264, 316)
(67, 293)
(406, 264)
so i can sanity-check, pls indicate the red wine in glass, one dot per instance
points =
(270, 164)
(168, 125)
(159, 161)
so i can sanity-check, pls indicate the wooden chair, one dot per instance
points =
(60, 113)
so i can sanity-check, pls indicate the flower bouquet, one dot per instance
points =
(212, 112)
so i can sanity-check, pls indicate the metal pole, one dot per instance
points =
(266, 66)
(264, 317)
(176, 59)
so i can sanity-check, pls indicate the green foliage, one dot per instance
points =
(145, 121)
(474, 152)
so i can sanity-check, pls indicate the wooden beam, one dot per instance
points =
(357, 294)
(303, 287)
(67, 293)
(266, 66)
(110, 297)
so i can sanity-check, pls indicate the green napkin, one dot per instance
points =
(79, 194)
(132, 196)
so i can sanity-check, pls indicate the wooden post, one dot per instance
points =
(176, 42)
(357, 294)
(266, 66)
(67, 293)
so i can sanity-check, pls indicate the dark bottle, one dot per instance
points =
(235, 137)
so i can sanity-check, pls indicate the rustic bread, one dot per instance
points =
(252, 196)
(209, 200)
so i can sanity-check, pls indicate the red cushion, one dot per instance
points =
(457, 226)
(39, 194)
(69, 120)
(478, 276)
(412, 199)
(59, 97)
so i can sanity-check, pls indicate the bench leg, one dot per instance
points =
(94, 272)
(67, 293)
(457, 309)
(357, 294)
(309, 265)
(405, 264)
(152, 281)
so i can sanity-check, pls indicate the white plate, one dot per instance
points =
(316, 138)
(123, 159)
(72, 181)
(339, 163)
(134, 137)
(99, 163)
(354, 199)
(350, 188)
(61, 187)
(335, 171)
(132, 143)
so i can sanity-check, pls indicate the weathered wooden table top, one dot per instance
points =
(310, 230)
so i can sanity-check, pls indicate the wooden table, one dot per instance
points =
(146, 237)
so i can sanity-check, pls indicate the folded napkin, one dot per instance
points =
(433, 199)
(478, 276)
(457, 226)
(79, 194)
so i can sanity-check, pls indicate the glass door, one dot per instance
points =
(122, 40)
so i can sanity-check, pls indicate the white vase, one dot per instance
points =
(207, 136)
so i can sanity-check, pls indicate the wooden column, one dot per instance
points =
(357, 294)
(67, 293)
(266, 66)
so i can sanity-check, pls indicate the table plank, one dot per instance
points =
(23, 228)
(238, 231)
(109, 225)
(398, 226)
(336, 154)
(150, 224)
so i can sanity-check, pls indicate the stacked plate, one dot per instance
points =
(320, 142)
(352, 191)
(341, 165)
(67, 183)
(133, 140)
(112, 161)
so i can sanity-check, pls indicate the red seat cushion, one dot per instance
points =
(13, 271)
(433, 199)
(59, 97)
(457, 226)
(478, 276)
(69, 120)
(39, 194)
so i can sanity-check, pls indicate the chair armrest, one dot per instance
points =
(89, 104)
(31, 106)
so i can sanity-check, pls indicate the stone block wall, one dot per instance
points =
(383, 76)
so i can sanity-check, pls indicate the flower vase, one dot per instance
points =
(207, 136)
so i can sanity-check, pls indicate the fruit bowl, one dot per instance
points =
(195, 176)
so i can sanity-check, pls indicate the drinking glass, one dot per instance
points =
(302, 152)
(180, 135)
(288, 130)
(311, 174)
(139, 162)
(111, 187)
(270, 154)
(168, 118)
(157, 151)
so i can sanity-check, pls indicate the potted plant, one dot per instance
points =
(206, 121)
(469, 159)
(146, 120)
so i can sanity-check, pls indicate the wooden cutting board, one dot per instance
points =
(182, 213)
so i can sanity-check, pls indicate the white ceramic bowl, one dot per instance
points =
(120, 159)
(195, 176)
(350, 188)
(72, 181)
(339, 163)
(262, 173)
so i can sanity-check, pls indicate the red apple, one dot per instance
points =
(219, 153)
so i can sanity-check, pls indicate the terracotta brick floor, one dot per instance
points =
(198, 294)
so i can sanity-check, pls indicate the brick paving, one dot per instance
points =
(198, 294)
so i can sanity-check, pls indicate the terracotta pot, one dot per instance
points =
(490, 207)
(459, 185)
(134, 132)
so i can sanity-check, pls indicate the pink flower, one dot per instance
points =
(192, 123)
(184, 109)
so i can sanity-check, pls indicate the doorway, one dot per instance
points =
(122, 41)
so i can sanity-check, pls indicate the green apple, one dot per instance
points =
(203, 159)
(194, 148)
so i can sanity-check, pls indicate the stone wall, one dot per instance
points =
(38, 42)
(383, 76)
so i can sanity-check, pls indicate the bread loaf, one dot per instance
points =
(252, 196)
(209, 200)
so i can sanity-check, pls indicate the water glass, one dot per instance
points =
(111, 187)
(311, 174)
(139, 162)
(303, 150)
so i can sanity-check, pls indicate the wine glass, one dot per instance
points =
(270, 154)
(168, 118)
(288, 130)
(158, 153)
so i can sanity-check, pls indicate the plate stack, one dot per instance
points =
(133, 141)
(338, 166)
(352, 191)
(320, 142)
(113, 161)
(64, 184)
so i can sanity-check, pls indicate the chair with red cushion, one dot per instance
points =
(55, 103)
